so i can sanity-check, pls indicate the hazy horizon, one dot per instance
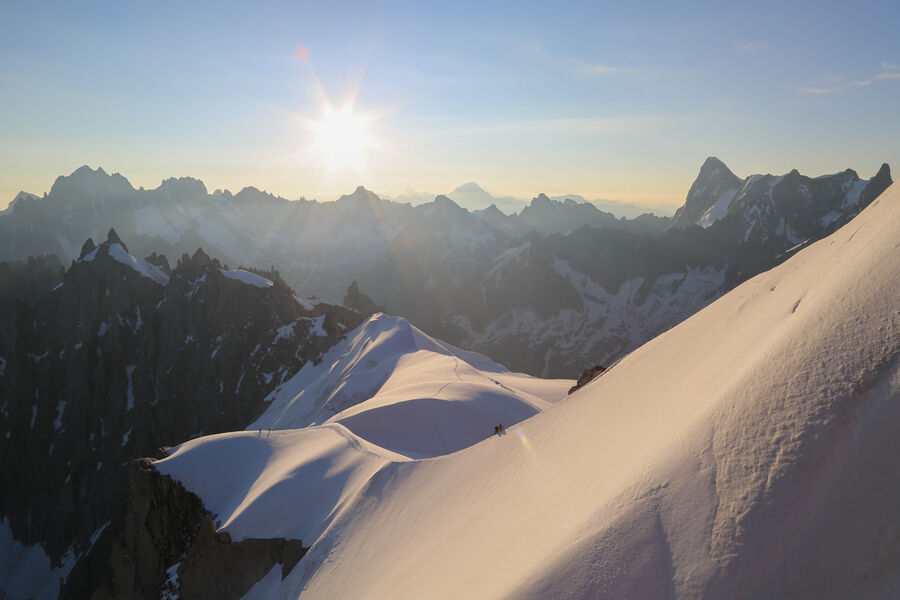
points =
(614, 102)
(408, 196)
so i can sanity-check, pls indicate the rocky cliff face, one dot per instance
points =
(170, 547)
(117, 357)
(715, 185)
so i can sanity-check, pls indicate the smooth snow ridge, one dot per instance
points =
(751, 451)
(387, 360)
(386, 394)
(248, 278)
(141, 266)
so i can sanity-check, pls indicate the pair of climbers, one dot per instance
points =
(498, 429)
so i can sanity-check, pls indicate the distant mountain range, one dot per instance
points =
(473, 197)
(545, 291)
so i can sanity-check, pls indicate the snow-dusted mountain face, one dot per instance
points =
(472, 197)
(790, 207)
(557, 287)
(749, 452)
(553, 304)
(111, 359)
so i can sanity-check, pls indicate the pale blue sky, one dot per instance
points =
(609, 100)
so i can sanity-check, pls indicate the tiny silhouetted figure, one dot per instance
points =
(496, 430)
(500, 428)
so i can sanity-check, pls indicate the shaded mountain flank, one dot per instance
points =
(110, 359)
(559, 286)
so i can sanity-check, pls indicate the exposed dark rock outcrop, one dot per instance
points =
(216, 567)
(587, 376)
(161, 521)
(114, 358)
(87, 247)
(113, 238)
(170, 544)
(356, 300)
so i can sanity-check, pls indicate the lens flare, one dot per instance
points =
(524, 439)
(301, 53)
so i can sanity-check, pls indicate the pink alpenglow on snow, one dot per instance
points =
(753, 451)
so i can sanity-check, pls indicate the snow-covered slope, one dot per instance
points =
(387, 360)
(387, 393)
(752, 451)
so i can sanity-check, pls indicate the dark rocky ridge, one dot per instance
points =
(361, 303)
(168, 527)
(112, 364)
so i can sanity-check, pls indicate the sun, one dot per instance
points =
(342, 138)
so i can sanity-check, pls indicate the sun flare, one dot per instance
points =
(342, 139)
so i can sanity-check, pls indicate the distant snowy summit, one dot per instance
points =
(718, 193)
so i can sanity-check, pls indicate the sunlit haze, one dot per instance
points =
(608, 101)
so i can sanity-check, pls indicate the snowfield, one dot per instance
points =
(382, 395)
(753, 451)
(248, 278)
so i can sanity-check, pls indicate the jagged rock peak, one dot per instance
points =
(713, 180)
(363, 304)
(200, 258)
(446, 202)
(250, 192)
(877, 185)
(23, 195)
(360, 196)
(712, 162)
(113, 238)
(84, 178)
(714, 168)
(86, 248)
(542, 201)
(160, 261)
(86, 170)
(183, 186)
(884, 174)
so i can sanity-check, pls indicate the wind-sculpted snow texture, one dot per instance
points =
(559, 286)
(752, 451)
